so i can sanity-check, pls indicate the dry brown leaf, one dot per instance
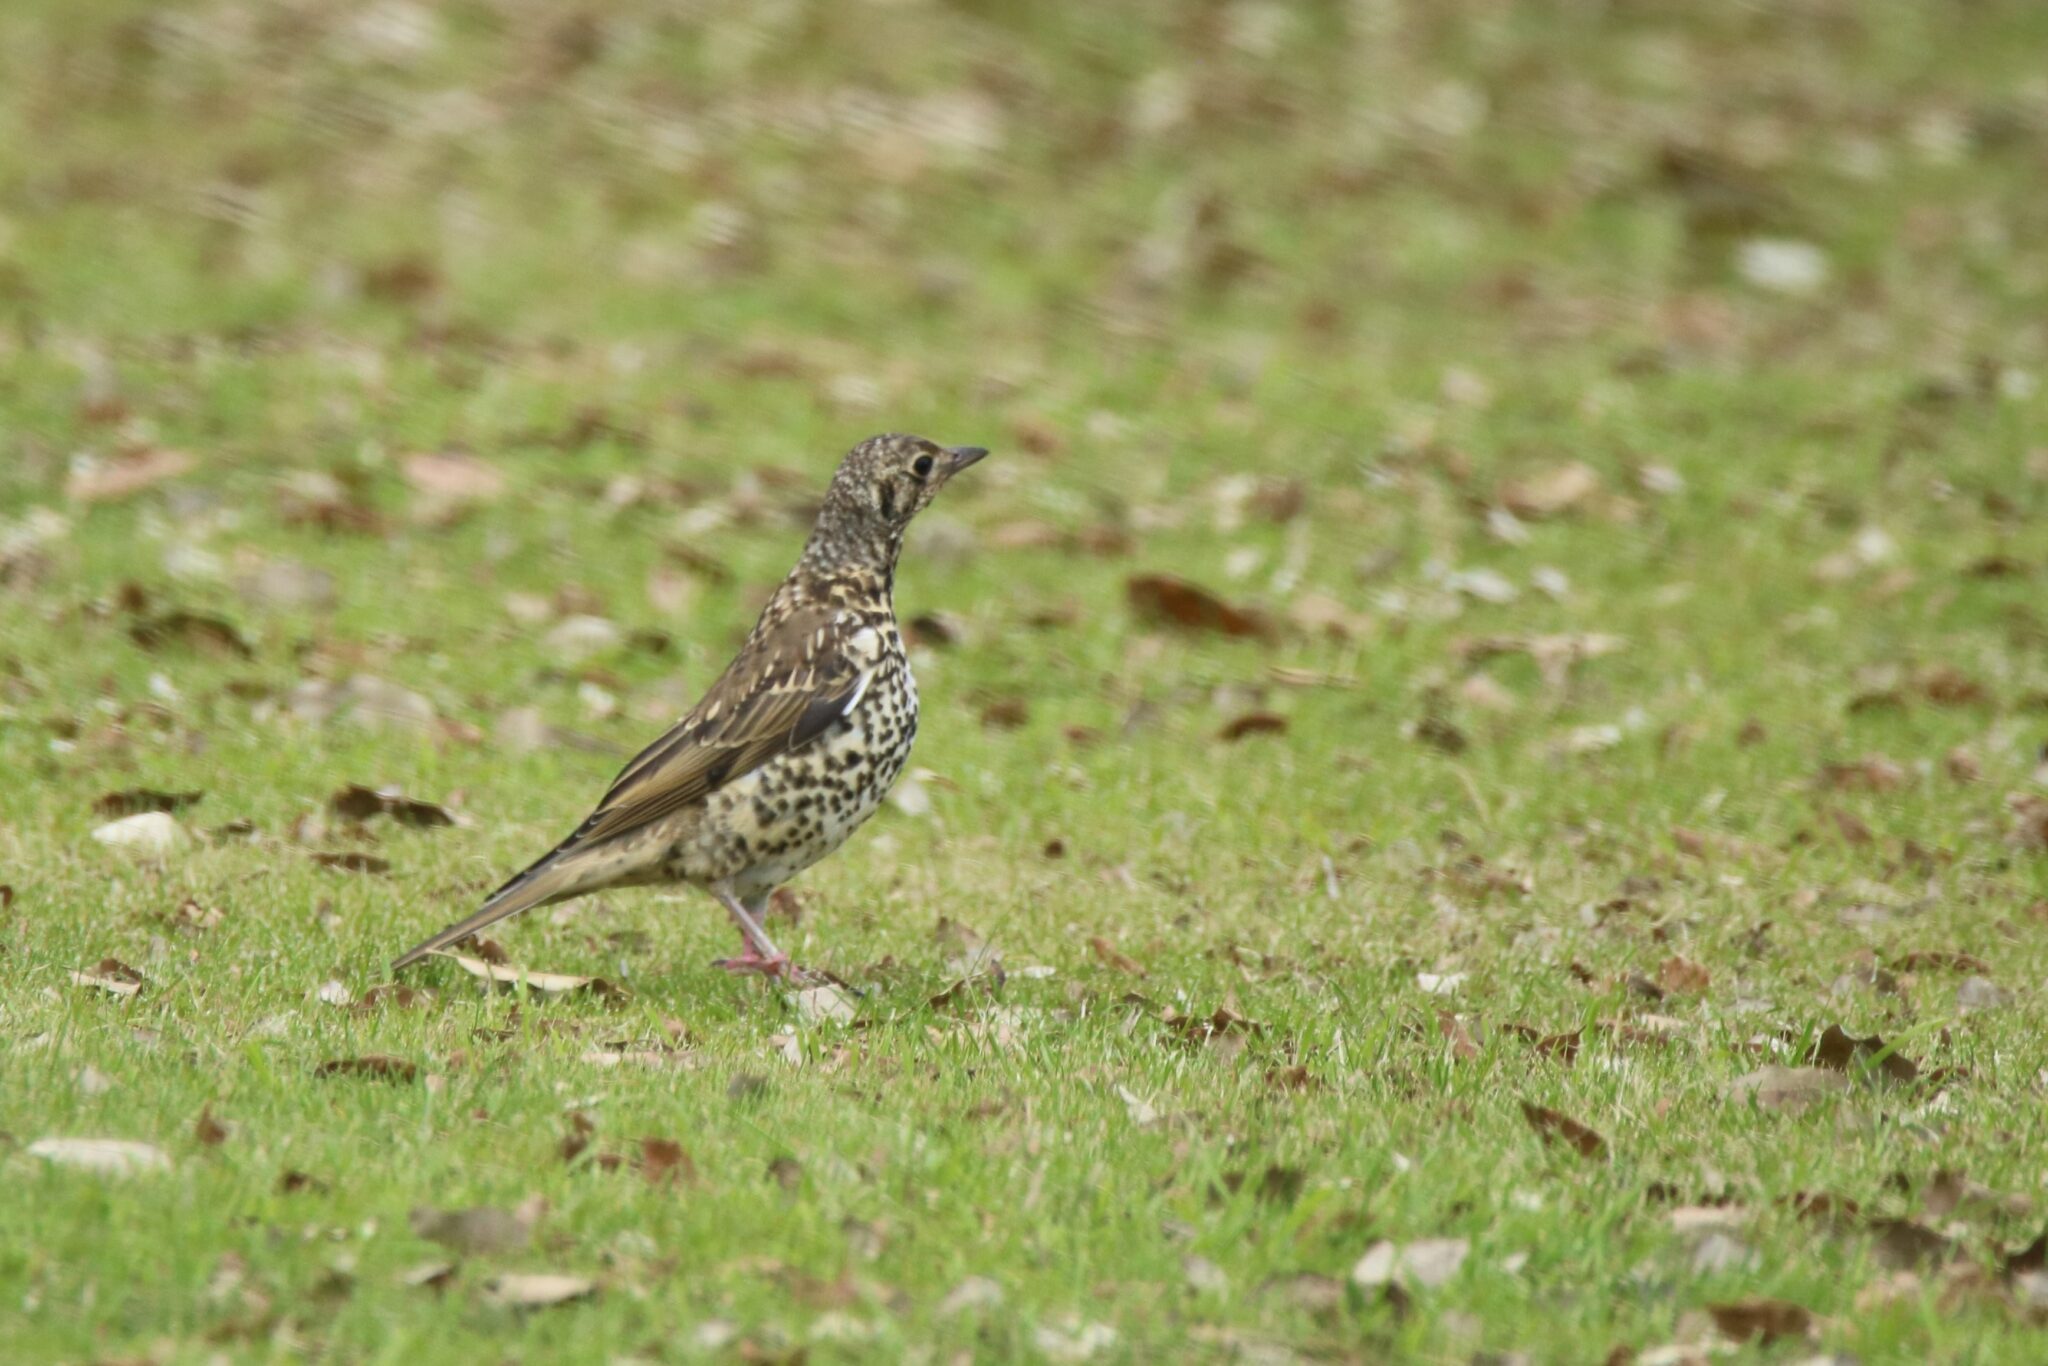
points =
(1871, 773)
(112, 976)
(1787, 1088)
(356, 802)
(2029, 820)
(501, 973)
(1763, 1319)
(1943, 960)
(480, 1230)
(1552, 1126)
(1837, 1050)
(1463, 1046)
(1551, 493)
(351, 861)
(1174, 601)
(210, 1132)
(191, 630)
(136, 800)
(1006, 713)
(1254, 723)
(125, 475)
(452, 476)
(1112, 956)
(1683, 977)
(380, 1065)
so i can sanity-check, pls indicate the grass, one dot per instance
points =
(1384, 262)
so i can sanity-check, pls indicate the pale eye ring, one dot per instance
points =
(921, 467)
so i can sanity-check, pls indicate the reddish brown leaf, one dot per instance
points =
(125, 475)
(1177, 602)
(1871, 773)
(1838, 1050)
(209, 1131)
(663, 1160)
(1762, 1319)
(1551, 493)
(1112, 956)
(358, 803)
(1683, 977)
(1463, 1046)
(1254, 723)
(1006, 713)
(1555, 1127)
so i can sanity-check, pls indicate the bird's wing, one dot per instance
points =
(789, 683)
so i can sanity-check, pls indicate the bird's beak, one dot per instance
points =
(963, 456)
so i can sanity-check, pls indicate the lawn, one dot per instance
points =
(1482, 793)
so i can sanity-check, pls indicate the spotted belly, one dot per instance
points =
(765, 827)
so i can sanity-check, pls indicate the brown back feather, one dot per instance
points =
(789, 682)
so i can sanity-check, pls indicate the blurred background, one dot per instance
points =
(1282, 232)
(1493, 506)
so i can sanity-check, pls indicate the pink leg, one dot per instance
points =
(759, 954)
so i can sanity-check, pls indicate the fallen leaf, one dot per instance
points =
(828, 1003)
(452, 476)
(1253, 723)
(537, 1290)
(480, 1230)
(1427, 1262)
(1463, 1046)
(1951, 1194)
(381, 1065)
(1139, 1109)
(1176, 602)
(1553, 492)
(546, 983)
(359, 803)
(351, 861)
(1681, 976)
(973, 1293)
(209, 1132)
(1839, 1050)
(124, 475)
(1981, 993)
(427, 1276)
(1006, 713)
(111, 1156)
(112, 976)
(136, 800)
(152, 832)
(1763, 1319)
(1905, 1243)
(191, 630)
(1552, 1126)
(1787, 1088)
(1109, 955)
(1871, 773)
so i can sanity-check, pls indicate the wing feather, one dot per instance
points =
(789, 683)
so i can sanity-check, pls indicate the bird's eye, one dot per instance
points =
(922, 466)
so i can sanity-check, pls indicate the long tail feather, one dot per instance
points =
(557, 877)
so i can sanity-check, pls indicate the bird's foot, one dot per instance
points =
(765, 965)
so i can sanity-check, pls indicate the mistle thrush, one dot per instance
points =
(791, 749)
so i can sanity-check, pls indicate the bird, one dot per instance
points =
(790, 750)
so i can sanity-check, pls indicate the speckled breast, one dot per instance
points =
(767, 826)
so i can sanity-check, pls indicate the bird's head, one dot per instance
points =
(881, 484)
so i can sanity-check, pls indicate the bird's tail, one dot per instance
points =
(557, 876)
